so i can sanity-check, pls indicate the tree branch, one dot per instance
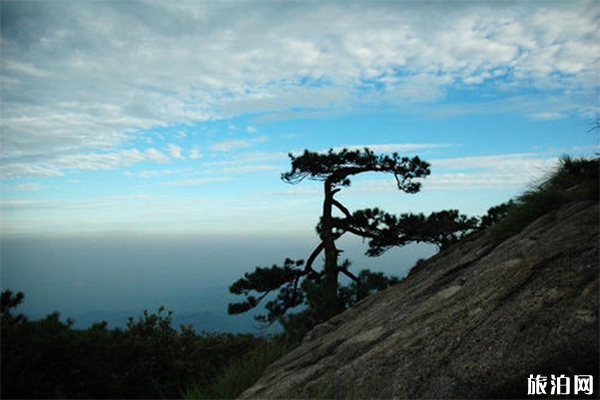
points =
(341, 207)
(308, 267)
(349, 274)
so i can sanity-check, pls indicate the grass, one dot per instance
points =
(574, 179)
(243, 373)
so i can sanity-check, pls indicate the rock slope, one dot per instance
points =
(474, 321)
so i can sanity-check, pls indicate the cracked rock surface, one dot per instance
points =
(474, 321)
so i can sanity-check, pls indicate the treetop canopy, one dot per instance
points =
(335, 167)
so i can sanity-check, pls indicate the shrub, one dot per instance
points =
(148, 359)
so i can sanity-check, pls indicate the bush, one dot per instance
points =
(148, 359)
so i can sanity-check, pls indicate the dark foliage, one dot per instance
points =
(149, 359)
(264, 280)
(495, 214)
(318, 291)
(337, 167)
(298, 283)
(385, 231)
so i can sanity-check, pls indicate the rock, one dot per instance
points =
(474, 321)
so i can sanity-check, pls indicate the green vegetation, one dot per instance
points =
(148, 359)
(245, 371)
(574, 179)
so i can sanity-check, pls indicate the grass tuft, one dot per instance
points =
(574, 179)
(243, 373)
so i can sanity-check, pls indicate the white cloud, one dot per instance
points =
(504, 171)
(247, 162)
(19, 203)
(85, 84)
(57, 165)
(488, 172)
(108, 161)
(152, 155)
(26, 69)
(24, 187)
(175, 151)
(243, 169)
(18, 170)
(195, 153)
(196, 181)
(546, 116)
(145, 174)
(233, 144)
(396, 147)
(511, 162)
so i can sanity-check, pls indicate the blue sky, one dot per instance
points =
(177, 117)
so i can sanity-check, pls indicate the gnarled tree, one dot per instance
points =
(335, 170)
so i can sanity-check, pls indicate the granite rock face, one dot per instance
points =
(474, 321)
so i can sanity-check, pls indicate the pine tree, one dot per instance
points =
(295, 280)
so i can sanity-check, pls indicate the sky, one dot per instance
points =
(174, 117)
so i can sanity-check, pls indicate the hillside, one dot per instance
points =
(474, 321)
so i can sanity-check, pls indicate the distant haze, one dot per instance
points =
(97, 277)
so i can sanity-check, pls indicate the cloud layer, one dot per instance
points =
(82, 81)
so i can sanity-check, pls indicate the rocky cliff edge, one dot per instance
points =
(474, 321)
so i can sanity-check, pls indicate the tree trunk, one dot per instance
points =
(333, 304)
